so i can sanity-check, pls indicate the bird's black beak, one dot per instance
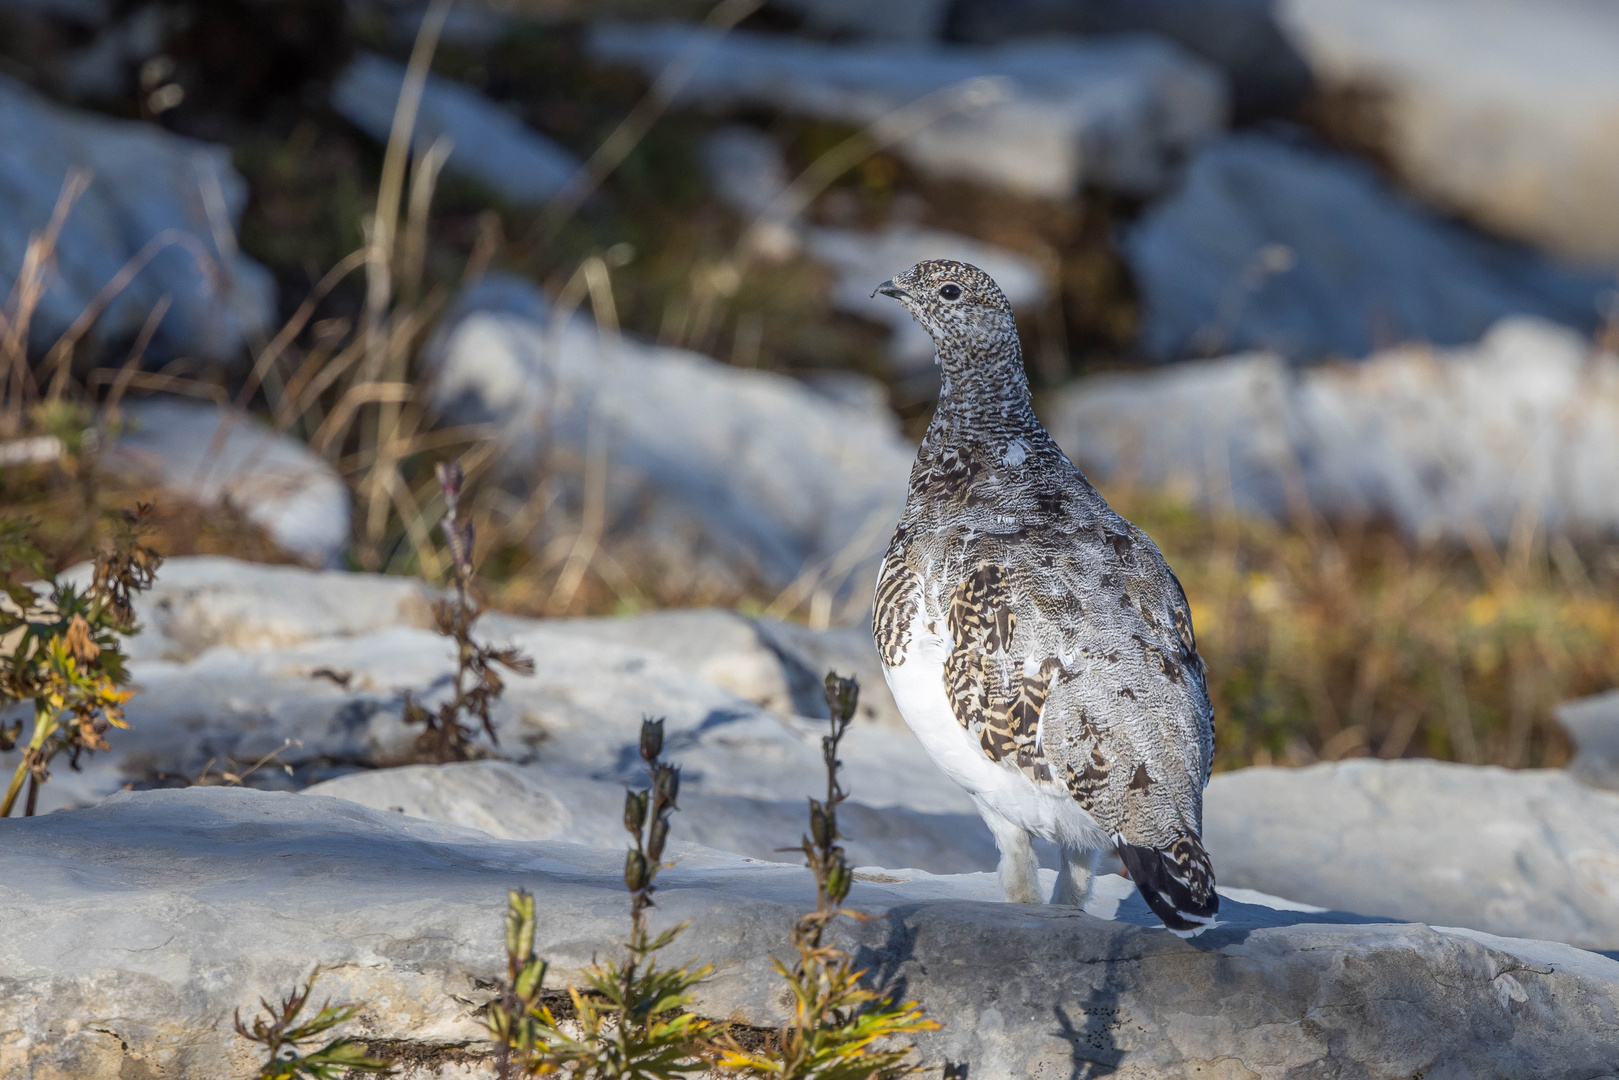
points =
(888, 288)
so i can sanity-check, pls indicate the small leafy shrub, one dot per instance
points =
(446, 735)
(630, 1020)
(840, 1030)
(283, 1040)
(63, 651)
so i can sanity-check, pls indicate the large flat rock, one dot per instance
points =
(215, 456)
(748, 476)
(541, 801)
(148, 187)
(1499, 110)
(1529, 853)
(485, 141)
(1274, 243)
(1036, 119)
(1443, 442)
(133, 930)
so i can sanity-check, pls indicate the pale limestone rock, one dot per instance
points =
(1529, 853)
(1037, 119)
(1502, 111)
(1443, 442)
(136, 928)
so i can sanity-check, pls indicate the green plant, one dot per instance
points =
(283, 1039)
(63, 651)
(630, 1021)
(445, 736)
(841, 1029)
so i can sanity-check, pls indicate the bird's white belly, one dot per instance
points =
(918, 686)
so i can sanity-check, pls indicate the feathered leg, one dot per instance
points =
(1019, 868)
(1075, 876)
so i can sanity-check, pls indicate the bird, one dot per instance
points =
(1036, 641)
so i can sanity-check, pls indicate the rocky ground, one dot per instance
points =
(141, 919)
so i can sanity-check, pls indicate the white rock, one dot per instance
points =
(489, 144)
(750, 470)
(336, 701)
(1531, 854)
(214, 456)
(199, 602)
(146, 183)
(1272, 244)
(862, 261)
(545, 802)
(1500, 110)
(1037, 119)
(1443, 442)
(1268, 78)
(135, 929)
(1592, 725)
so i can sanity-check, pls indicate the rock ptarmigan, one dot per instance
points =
(1035, 640)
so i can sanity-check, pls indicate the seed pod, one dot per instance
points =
(635, 875)
(666, 781)
(635, 811)
(656, 837)
(838, 880)
(651, 739)
(842, 695)
(823, 825)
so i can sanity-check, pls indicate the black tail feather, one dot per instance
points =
(1176, 882)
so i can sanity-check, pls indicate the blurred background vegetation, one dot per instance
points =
(1325, 638)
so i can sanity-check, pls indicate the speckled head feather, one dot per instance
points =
(970, 321)
(1035, 640)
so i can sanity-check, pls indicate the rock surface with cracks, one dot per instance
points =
(134, 929)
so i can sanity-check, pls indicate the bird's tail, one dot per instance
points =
(1176, 881)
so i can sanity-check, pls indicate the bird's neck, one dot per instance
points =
(985, 396)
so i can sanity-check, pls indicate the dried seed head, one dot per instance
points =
(823, 825)
(635, 871)
(838, 880)
(656, 838)
(450, 479)
(651, 739)
(635, 805)
(666, 782)
(842, 695)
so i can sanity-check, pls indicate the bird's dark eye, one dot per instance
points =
(951, 291)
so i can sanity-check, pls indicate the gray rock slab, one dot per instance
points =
(1498, 110)
(335, 704)
(1592, 724)
(1268, 77)
(490, 144)
(1036, 119)
(1273, 244)
(548, 802)
(212, 456)
(203, 601)
(1531, 854)
(750, 473)
(148, 187)
(1444, 442)
(134, 930)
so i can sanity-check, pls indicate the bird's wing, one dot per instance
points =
(1072, 657)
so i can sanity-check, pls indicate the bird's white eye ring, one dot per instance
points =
(950, 291)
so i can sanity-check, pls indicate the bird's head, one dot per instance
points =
(957, 303)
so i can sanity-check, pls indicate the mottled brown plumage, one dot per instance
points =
(1062, 641)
